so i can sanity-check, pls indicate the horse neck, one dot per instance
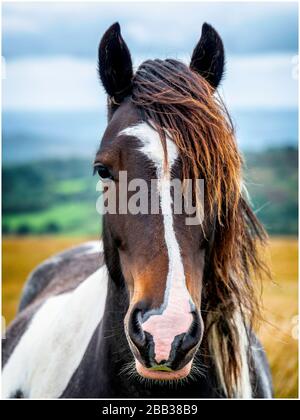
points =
(98, 374)
(112, 324)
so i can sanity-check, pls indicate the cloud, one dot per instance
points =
(260, 81)
(161, 28)
(144, 36)
(18, 24)
(68, 83)
(53, 83)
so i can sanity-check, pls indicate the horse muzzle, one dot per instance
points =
(164, 344)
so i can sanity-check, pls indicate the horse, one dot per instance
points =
(159, 307)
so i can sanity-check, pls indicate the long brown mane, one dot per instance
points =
(176, 99)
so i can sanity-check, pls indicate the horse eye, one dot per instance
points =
(103, 172)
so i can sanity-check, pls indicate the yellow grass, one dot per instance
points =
(280, 298)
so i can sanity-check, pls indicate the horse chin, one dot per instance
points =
(162, 375)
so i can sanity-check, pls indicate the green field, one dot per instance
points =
(73, 218)
(50, 197)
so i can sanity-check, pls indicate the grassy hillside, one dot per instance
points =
(59, 196)
(272, 181)
(55, 196)
(280, 302)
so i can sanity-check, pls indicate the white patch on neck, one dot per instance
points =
(177, 298)
(94, 247)
(55, 341)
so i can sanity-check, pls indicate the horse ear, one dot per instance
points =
(115, 65)
(208, 56)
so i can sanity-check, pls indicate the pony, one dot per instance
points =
(159, 307)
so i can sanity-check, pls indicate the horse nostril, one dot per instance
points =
(135, 329)
(194, 335)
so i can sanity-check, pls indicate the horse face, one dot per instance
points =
(160, 256)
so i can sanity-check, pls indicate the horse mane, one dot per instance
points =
(180, 102)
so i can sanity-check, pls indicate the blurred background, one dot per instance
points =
(53, 118)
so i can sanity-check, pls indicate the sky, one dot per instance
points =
(50, 49)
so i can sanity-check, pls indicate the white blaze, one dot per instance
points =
(176, 316)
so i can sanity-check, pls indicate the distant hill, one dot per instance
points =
(28, 136)
(59, 196)
(271, 178)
